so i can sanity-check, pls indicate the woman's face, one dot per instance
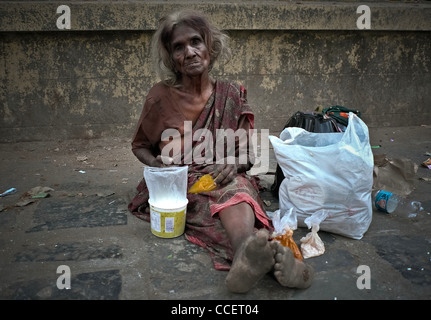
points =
(189, 52)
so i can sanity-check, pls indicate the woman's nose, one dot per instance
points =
(190, 51)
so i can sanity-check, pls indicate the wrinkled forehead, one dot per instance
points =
(183, 33)
(198, 27)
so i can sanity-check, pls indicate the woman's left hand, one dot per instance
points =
(224, 173)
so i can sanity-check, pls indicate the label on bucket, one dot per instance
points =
(168, 223)
(155, 221)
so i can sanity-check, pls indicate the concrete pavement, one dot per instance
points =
(83, 226)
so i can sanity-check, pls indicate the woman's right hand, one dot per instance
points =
(161, 161)
(146, 157)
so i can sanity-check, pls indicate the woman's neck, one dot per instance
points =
(197, 86)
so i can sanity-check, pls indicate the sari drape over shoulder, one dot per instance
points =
(227, 108)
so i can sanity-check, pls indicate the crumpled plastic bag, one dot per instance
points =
(283, 232)
(311, 244)
(205, 183)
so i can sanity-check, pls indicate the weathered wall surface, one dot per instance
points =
(385, 75)
(91, 80)
(73, 85)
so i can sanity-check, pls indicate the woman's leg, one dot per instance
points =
(253, 253)
(238, 221)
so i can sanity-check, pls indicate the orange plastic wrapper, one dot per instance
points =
(286, 240)
(205, 183)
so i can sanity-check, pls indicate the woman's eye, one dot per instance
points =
(196, 41)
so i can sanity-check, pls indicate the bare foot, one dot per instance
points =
(291, 272)
(252, 261)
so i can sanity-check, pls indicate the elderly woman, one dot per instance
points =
(230, 221)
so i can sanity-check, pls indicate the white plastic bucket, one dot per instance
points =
(168, 222)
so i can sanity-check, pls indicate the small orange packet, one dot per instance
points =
(205, 183)
(286, 240)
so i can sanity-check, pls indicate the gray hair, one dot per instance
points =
(215, 40)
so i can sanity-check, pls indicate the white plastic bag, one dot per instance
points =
(167, 186)
(287, 221)
(327, 171)
(311, 244)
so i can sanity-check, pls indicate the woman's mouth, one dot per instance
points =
(192, 64)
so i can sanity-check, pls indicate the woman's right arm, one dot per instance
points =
(146, 157)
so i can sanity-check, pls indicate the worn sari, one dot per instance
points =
(227, 107)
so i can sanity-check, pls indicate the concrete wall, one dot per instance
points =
(91, 80)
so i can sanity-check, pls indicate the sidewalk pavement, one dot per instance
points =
(83, 226)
